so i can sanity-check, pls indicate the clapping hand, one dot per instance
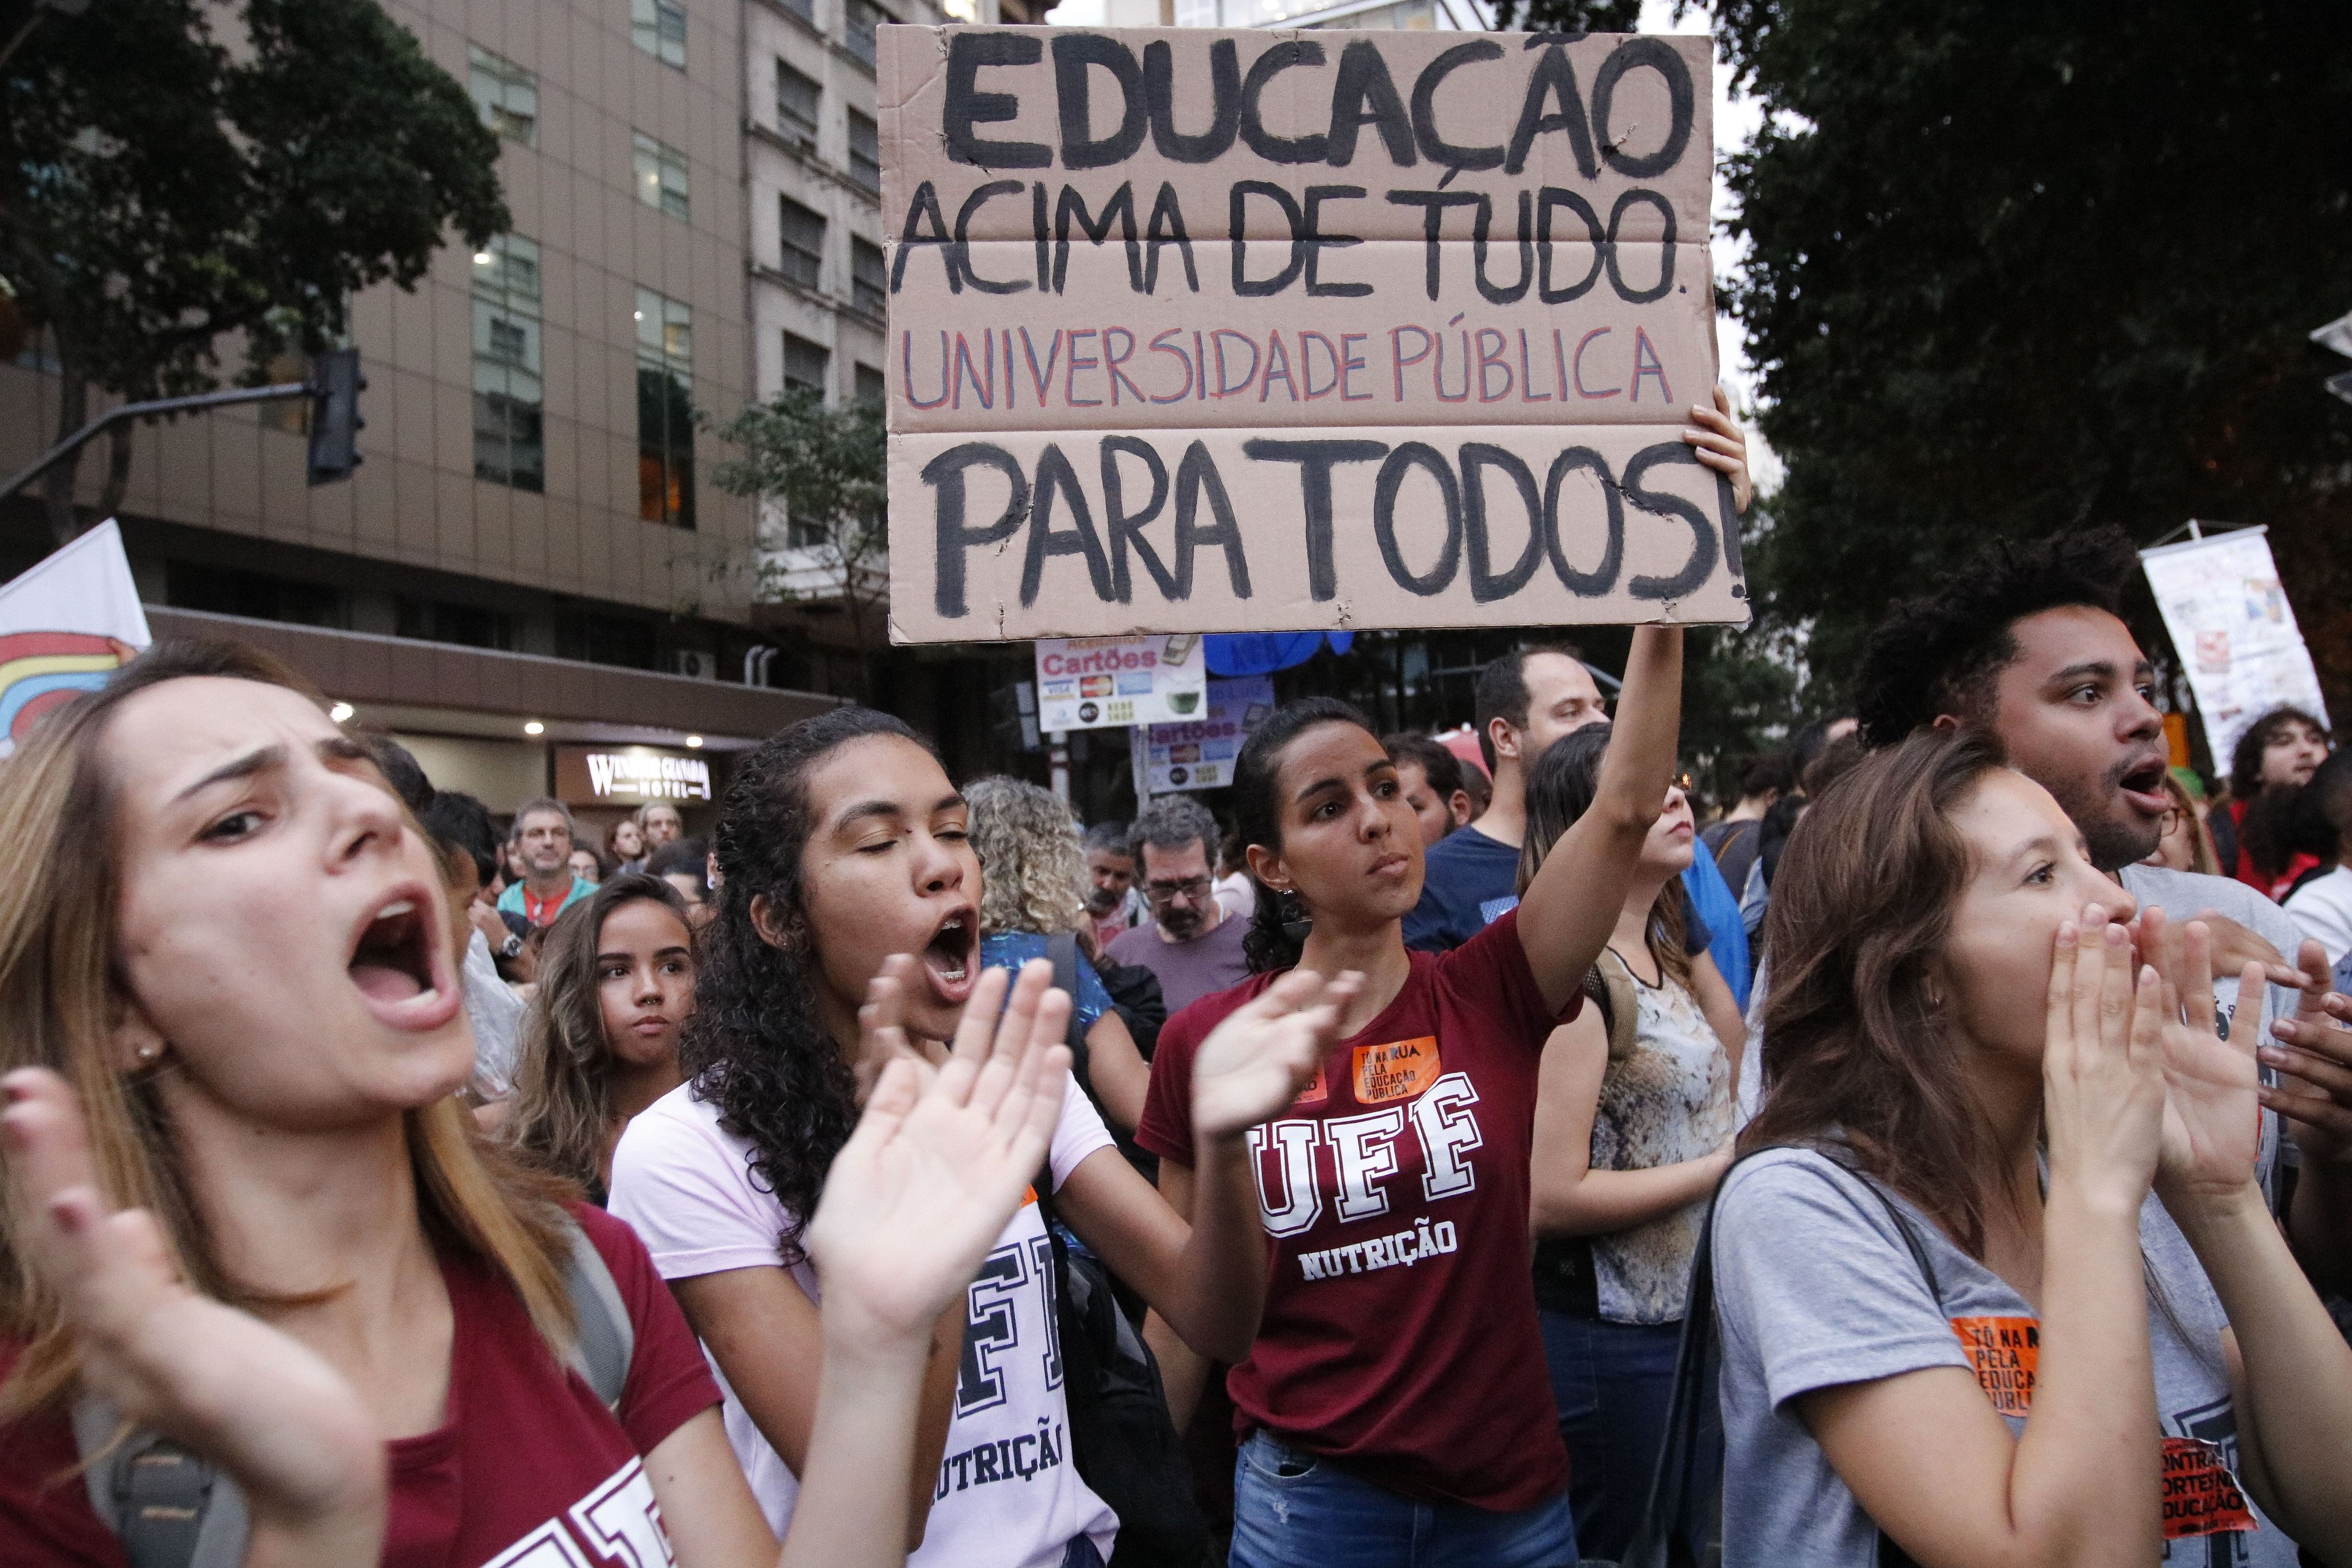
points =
(1254, 1064)
(1719, 443)
(942, 1159)
(255, 1402)
(2315, 1064)
(2212, 1115)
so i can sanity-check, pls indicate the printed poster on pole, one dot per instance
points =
(2234, 630)
(1200, 755)
(1101, 683)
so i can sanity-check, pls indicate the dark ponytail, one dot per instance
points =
(1278, 926)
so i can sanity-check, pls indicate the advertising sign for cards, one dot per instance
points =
(1200, 755)
(1099, 683)
(1264, 331)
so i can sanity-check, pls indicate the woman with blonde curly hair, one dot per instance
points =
(1031, 907)
(600, 1042)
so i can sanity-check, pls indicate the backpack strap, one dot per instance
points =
(1062, 948)
(1683, 1500)
(171, 1510)
(606, 1338)
(1624, 1005)
(168, 1508)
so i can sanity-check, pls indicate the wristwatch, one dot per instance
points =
(511, 947)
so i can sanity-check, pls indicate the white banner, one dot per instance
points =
(1200, 755)
(66, 626)
(2234, 628)
(1101, 683)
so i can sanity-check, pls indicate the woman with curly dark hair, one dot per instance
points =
(848, 935)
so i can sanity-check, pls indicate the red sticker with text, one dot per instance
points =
(2200, 1496)
(1315, 1093)
(1398, 1071)
(2004, 1351)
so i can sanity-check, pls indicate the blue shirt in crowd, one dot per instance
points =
(1011, 949)
(1470, 880)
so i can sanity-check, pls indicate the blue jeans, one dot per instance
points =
(1292, 1509)
(1612, 1384)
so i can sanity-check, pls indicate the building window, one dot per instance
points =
(804, 9)
(869, 276)
(504, 95)
(865, 150)
(804, 364)
(797, 96)
(509, 438)
(467, 625)
(872, 387)
(665, 410)
(801, 233)
(661, 175)
(659, 28)
(862, 17)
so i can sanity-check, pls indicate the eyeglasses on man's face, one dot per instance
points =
(1192, 888)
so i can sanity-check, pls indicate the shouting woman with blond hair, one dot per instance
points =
(248, 1219)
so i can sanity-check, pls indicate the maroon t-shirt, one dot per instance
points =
(1399, 1331)
(531, 1469)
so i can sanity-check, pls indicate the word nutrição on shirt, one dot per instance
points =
(1392, 328)
(1403, 1250)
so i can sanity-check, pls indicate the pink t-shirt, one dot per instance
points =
(1007, 1493)
(529, 1469)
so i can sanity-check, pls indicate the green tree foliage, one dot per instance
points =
(825, 467)
(2016, 268)
(175, 173)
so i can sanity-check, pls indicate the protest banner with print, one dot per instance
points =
(1206, 330)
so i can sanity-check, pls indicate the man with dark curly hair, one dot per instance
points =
(2025, 641)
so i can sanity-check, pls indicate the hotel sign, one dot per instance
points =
(598, 776)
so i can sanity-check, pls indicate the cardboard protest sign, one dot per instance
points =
(1100, 683)
(1249, 331)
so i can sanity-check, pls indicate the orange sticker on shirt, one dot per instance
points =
(1398, 1071)
(2200, 1496)
(1315, 1093)
(2004, 1351)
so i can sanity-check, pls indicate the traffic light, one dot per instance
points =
(335, 423)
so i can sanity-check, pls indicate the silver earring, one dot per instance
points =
(148, 1052)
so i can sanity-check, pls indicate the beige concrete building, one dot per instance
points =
(534, 505)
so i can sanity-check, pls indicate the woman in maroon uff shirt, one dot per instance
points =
(1394, 1401)
(244, 1207)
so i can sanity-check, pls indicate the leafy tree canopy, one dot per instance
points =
(173, 172)
(825, 467)
(2021, 267)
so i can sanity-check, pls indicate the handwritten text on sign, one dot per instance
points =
(1207, 330)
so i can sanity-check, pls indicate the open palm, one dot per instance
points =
(2212, 1113)
(239, 1393)
(943, 1157)
(1254, 1064)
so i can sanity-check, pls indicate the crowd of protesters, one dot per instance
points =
(1934, 1157)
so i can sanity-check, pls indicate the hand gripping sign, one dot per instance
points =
(1211, 331)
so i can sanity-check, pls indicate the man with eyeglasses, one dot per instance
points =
(1190, 944)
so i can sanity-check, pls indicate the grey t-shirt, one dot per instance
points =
(1814, 1288)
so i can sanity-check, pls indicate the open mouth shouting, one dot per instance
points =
(951, 959)
(398, 967)
(2142, 784)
